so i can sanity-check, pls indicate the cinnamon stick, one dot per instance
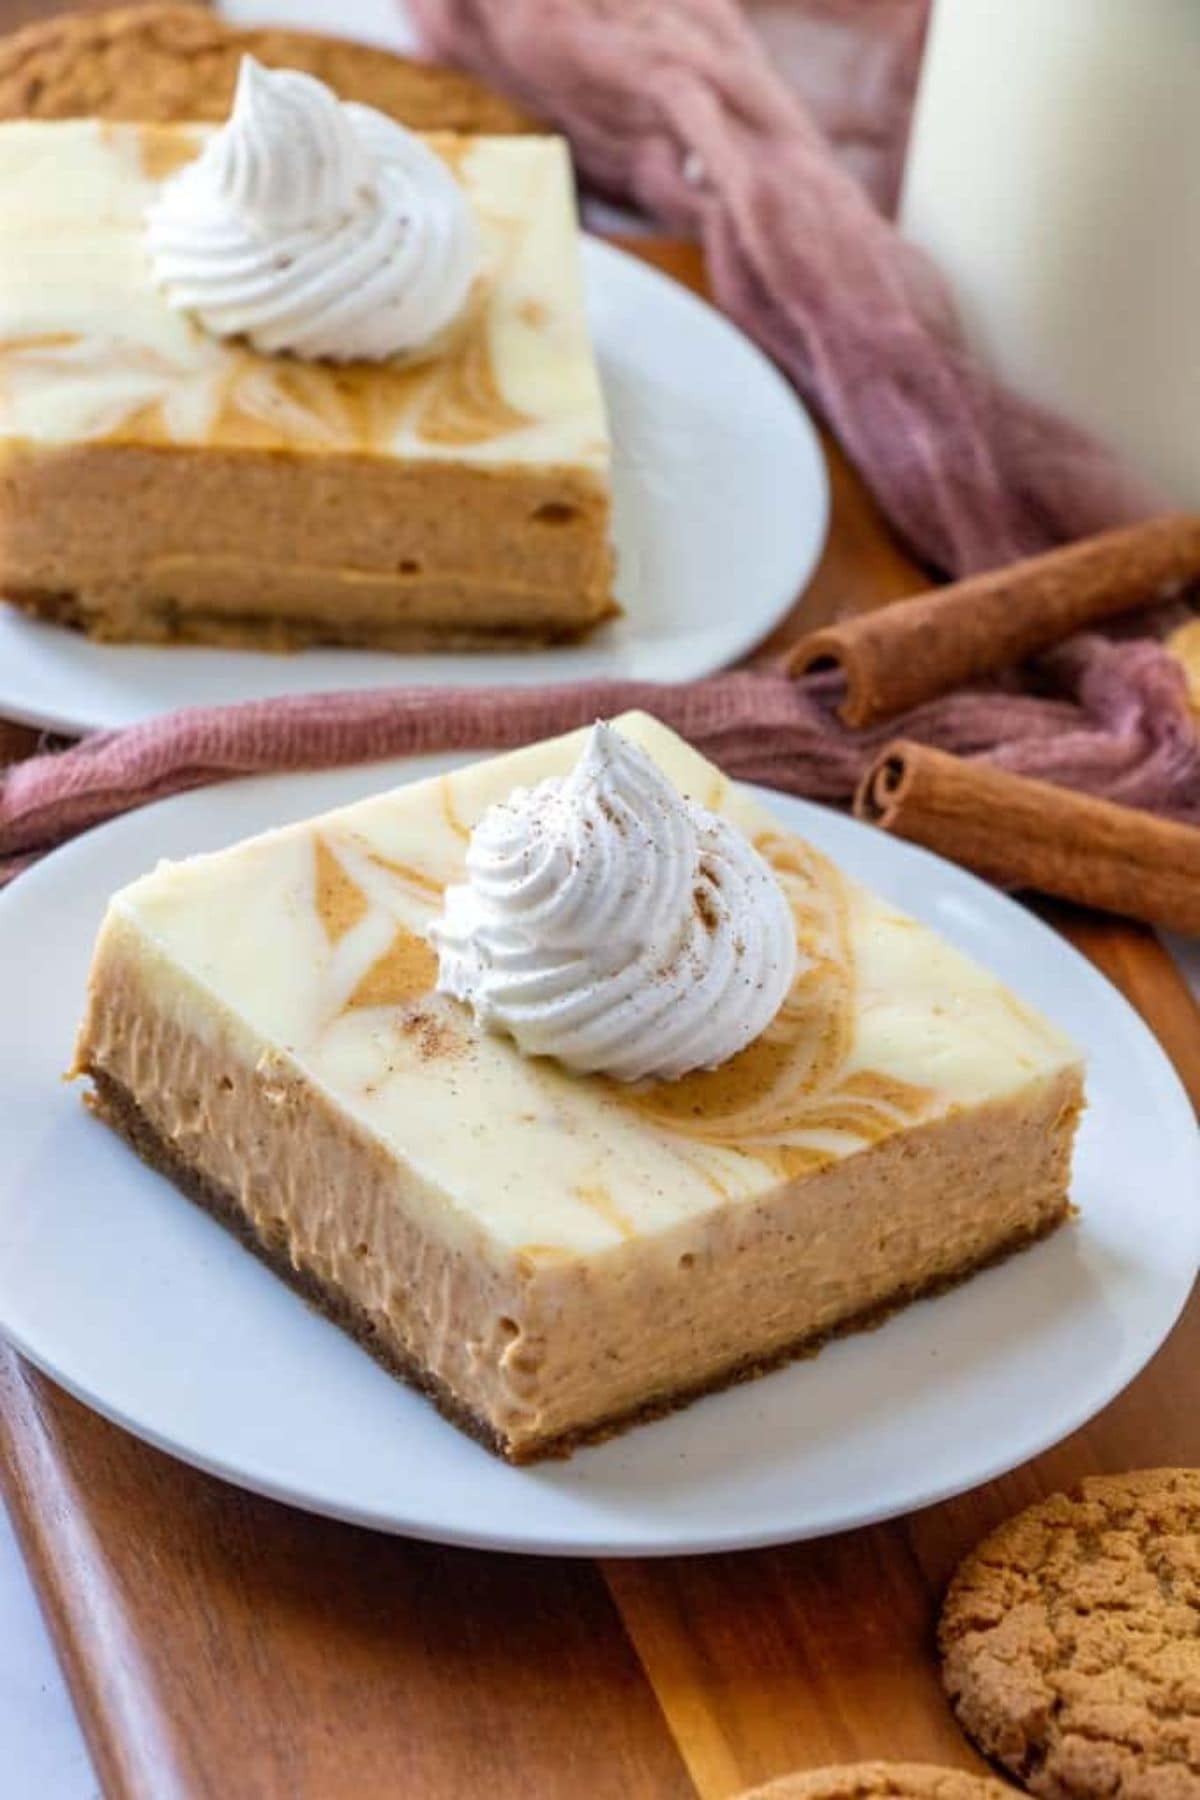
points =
(914, 650)
(1029, 834)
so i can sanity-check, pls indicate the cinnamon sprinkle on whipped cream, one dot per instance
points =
(612, 924)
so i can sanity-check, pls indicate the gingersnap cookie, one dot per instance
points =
(1071, 1640)
(880, 1781)
(159, 63)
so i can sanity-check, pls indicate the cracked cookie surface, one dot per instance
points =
(1070, 1641)
(164, 62)
(880, 1781)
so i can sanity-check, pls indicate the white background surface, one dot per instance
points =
(43, 1752)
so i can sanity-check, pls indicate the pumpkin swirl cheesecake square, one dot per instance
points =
(306, 378)
(573, 1085)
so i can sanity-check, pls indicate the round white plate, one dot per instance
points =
(721, 503)
(138, 1303)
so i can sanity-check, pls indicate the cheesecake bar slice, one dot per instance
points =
(161, 485)
(553, 1256)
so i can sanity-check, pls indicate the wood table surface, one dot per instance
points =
(217, 1644)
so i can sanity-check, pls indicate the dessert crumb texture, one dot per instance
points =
(880, 1781)
(180, 62)
(1071, 1641)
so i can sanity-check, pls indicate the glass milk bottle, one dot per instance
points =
(1054, 174)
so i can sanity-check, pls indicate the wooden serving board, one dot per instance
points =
(220, 1645)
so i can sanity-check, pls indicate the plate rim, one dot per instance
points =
(1168, 1089)
(737, 645)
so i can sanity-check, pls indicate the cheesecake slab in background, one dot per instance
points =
(552, 1257)
(460, 500)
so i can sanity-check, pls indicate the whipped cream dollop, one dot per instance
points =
(315, 227)
(610, 923)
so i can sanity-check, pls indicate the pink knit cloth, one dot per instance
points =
(677, 105)
(1113, 720)
(855, 68)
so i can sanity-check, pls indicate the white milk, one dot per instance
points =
(1054, 173)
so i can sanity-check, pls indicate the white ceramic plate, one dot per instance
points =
(138, 1303)
(720, 511)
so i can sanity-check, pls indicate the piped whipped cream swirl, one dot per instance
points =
(610, 923)
(315, 227)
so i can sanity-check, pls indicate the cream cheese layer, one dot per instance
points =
(91, 350)
(314, 936)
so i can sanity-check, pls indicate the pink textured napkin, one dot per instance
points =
(1112, 718)
(855, 68)
(677, 105)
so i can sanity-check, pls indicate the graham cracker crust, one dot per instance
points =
(111, 1102)
(270, 632)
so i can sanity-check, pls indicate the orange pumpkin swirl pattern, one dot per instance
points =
(792, 1082)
